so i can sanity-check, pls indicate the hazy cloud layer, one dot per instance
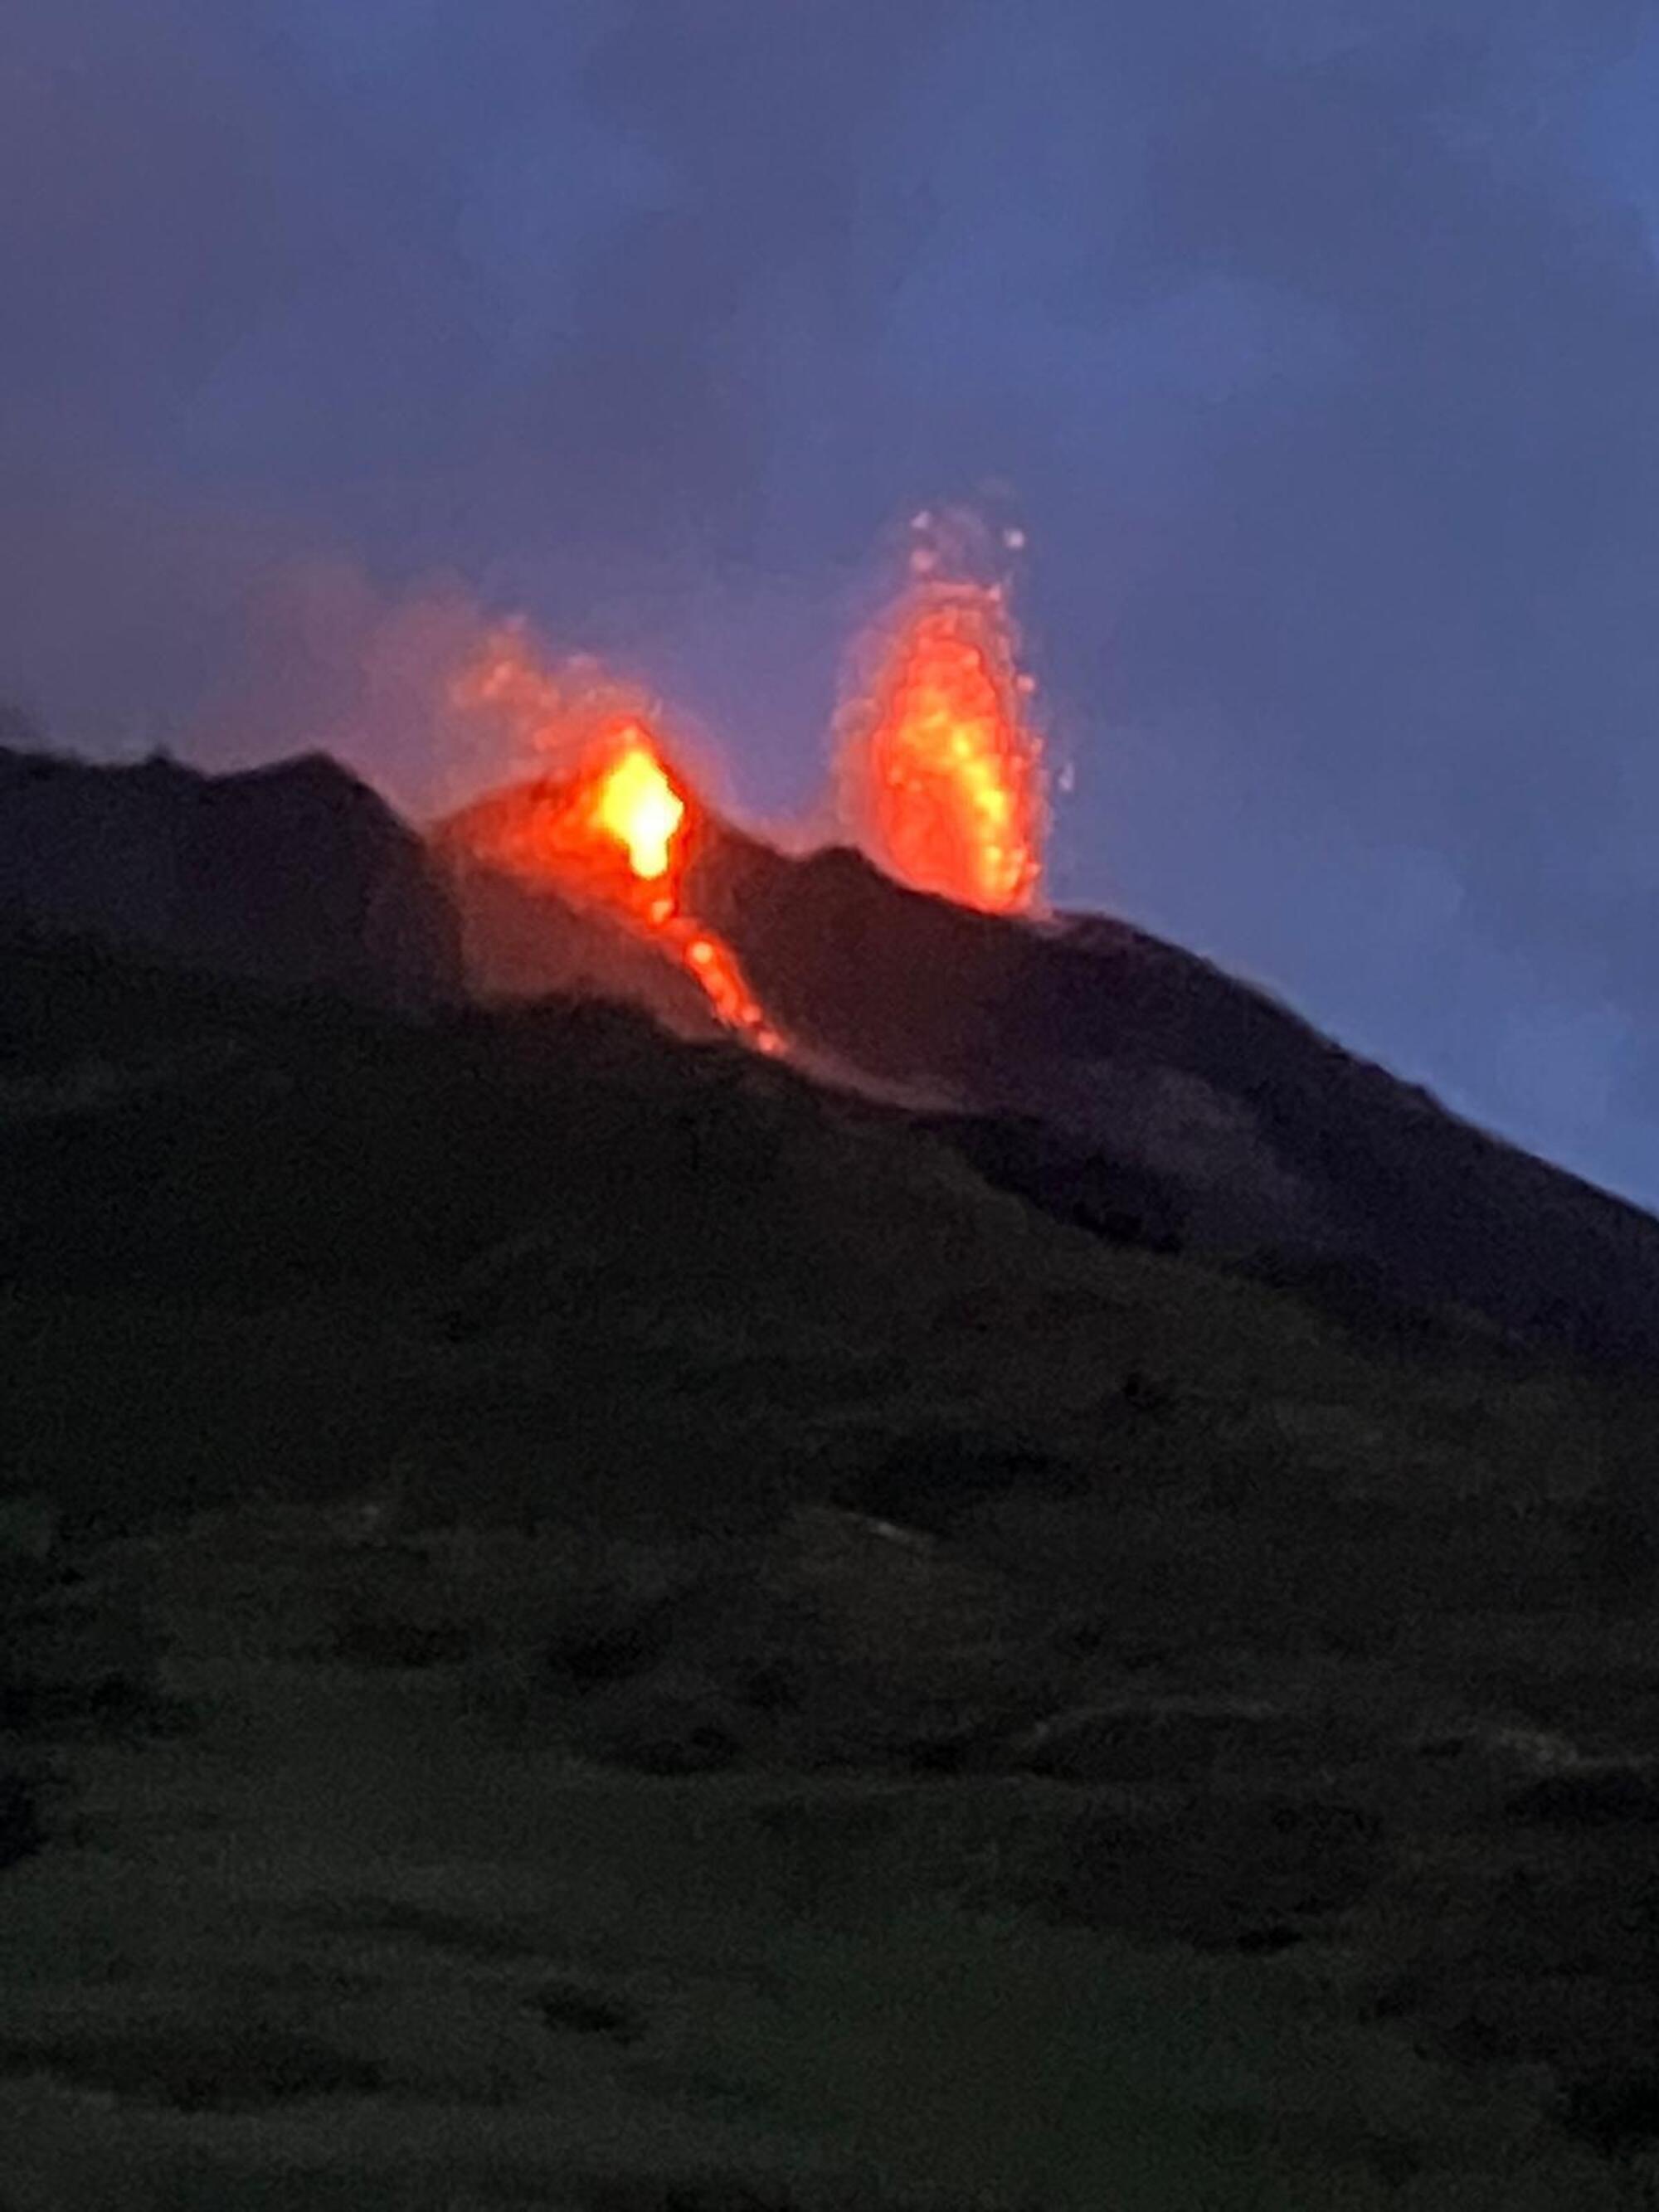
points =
(1317, 344)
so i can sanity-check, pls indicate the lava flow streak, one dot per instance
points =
(612, 825)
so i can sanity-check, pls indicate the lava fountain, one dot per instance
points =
(940, 768)
(611, 825)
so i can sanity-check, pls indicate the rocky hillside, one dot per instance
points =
(297, 874)
(589, 1623)
(1261, 1141)
(1113, 1079)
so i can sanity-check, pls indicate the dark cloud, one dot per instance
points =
(1318, 343)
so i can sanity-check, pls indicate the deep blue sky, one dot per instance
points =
(1315, 345)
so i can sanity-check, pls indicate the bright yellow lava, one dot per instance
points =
(638, 806)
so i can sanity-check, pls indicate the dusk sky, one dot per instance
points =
(1315, 346)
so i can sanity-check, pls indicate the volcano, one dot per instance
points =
(1107, 1075)
(510, 1426)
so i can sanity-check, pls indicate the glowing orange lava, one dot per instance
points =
(941, 769)
(638, 806)
(612, 825)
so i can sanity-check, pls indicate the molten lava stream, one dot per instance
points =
(941, 771)
(616, 833)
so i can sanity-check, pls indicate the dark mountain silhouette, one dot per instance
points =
(295, 874)
(1110, 1079)
(1119, 1072)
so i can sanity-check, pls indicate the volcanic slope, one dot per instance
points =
(296, 873)
(1254, 1138)
(588, 1623)
(1104, 1074)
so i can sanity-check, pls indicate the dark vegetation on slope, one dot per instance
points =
(715, 1425)
(175, 1145)
(243, 1196)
